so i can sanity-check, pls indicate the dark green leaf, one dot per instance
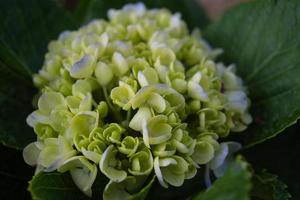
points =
(263, 39)
(267, 186)
(191, 11)
(54, 186)
(14, 175)
(234, 185)
(27, 26)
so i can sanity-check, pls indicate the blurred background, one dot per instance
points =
(214, 8)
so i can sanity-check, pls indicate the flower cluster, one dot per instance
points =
(133, 97)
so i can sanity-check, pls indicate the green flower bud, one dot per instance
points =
(183, 142)
(94, 150)
(113, 133)
(102, 109)
(119, 64)
(129, 145)
(141, 163)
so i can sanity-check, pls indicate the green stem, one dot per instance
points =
(116, 114)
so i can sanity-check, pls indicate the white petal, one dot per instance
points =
(158, 173)
(31, 153)
(220, 156)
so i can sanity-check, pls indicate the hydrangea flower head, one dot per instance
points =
(133, 97)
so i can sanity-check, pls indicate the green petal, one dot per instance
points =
(143, 114)
(102, 109)
(158, 173)
(129, 145)
(196, 91)
(84, 122)
(103, 73)
(164, 150)
(165, 55)
(113, 133)
(158, 130)
(55, 152)
(37, 117)
(44, 131)
(119, 64)
(174, 174)
(91, 155)
(83, 68)
(203, 152)
(147, 77)
(108, 165)
(50, 101)
(79, 104)
(83, 173)
(31, 153)
(60, 120)
(179, 85)
(157, 102)
(141, 163)
(141, 96)
(183, 142)
(122, 95)
(81, 88)
(124, 190)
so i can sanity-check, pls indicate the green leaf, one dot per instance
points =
(267, 186)
(26, 27)
(262, 38)
(55, 185)
(191, 10)
(234, 185)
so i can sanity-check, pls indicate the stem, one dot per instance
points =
(207, 176)
(115, 113)
(128, 116)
